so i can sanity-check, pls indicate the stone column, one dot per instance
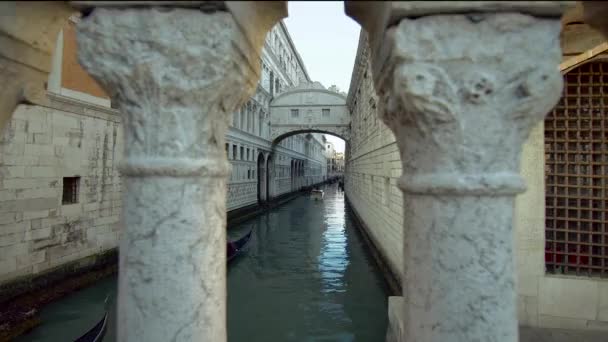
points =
(177, 75)
(461, 94)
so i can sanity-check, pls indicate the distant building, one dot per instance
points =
(60, 189)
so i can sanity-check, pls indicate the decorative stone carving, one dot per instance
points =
(461, 94)
(177, 76)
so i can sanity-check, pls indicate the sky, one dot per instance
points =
(326, 39)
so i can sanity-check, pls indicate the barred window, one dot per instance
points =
(71, 187)
(576, 175)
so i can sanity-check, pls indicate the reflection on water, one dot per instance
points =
(333, 259)
(305, 277)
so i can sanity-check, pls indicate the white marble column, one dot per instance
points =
(461, 94)
(177, 75)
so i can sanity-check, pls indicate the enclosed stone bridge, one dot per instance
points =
(309, 108)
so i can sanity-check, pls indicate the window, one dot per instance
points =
(247, 154)
(71, 186)
(242, 115)
(248, 174)
(242, 153)
(325, 112)
(227, 150)
(261, 124)
(234, 151)
(295, 113)
(271, 83)
(576, 151)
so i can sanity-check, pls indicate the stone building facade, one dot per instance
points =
(60, 188)
(561, 272)
(59, 184)
(249, 142)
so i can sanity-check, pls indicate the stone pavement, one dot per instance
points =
(528, 334)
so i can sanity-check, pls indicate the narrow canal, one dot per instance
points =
(306, 277)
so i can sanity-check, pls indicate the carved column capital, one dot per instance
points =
(172, 73)
(462, 92)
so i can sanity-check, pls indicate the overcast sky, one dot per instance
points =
(327, 42)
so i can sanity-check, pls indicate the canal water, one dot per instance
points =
(305, 277)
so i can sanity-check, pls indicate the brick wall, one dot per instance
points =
(373, 169)
(38, 149)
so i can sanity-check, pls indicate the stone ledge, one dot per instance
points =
(31, 283)
(22, 299)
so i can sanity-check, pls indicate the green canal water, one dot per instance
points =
(305, 277)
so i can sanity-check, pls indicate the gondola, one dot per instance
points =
(317, 194)
(234, 248)
(96, 333)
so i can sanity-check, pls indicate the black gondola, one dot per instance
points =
(96, 333)
(235, 248)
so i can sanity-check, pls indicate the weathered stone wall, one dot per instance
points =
(374, 167)
(39, 147)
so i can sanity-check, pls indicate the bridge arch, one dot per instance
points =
(342, 135)
(309, 108)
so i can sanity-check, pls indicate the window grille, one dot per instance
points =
(576, 173)
(71, 186)
(295, 113)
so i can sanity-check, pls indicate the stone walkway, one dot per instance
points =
(527, 334)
